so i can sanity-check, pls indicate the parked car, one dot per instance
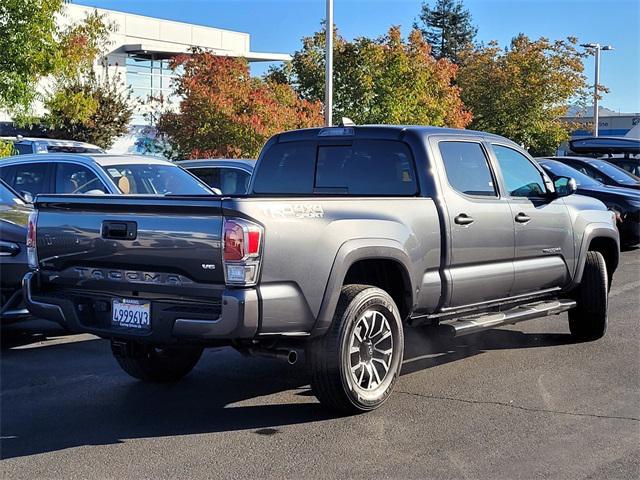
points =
(27, 145)
(97, 174)
(602, 171)
(14, 212)
(627, 162)
(349, 234)
(624, 202)
(604, 145)
(230, 176)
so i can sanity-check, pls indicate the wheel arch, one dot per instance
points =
(382, 263)
(603, 239)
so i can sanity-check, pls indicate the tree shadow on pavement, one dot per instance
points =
(73, 394)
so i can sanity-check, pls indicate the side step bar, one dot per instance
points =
(477, 323)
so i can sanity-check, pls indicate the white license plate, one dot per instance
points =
(130, 313)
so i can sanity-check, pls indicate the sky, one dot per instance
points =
(279, 25)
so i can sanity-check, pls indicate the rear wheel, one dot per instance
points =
(156, 364)
(355, 365)
(588, 321)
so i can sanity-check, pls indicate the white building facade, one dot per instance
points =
(141, 47)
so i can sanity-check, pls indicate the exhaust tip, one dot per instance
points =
(292, 357)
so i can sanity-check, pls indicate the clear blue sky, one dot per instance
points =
(278, 26)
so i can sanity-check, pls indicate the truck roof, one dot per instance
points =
(383, 131)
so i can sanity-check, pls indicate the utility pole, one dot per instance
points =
(328, 76)
(596, 111)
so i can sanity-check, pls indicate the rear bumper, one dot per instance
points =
(235, 316)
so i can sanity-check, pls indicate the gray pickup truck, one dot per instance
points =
(348, 235)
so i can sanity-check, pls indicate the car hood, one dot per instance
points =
(13, 222)
(627, 193)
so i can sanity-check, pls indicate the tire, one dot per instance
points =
(366, 312)
(155, 364)
(588, 321)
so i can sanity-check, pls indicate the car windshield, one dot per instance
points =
(8, 196)
(618, 174)
(561, 170)
(155, 179)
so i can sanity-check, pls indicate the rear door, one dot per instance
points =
(481, 232)
(543, 229)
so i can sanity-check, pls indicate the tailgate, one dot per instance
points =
(148, 239)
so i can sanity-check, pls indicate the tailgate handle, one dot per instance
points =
(119, 230)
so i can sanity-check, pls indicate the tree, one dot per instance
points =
(29, 49)
(521, 92)
(93, 110)
(6, 148)
(386, 80)
(447, 27)
(82, 105)
(225, 112)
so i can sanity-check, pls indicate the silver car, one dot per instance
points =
(97, 174)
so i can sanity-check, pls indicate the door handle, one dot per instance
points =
(463, 219)
(522, 218)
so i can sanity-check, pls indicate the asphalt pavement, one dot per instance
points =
(522, 402)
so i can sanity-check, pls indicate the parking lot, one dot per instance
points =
(519, 402)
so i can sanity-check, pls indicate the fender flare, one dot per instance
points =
(592, 231)
(349, 253)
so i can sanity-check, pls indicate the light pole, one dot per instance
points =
(596, 113)
(328, 74)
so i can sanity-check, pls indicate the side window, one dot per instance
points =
(368, 167)
(32, 178)
(71, 178)
(23, 148)
(233, 181)
(467, 168)
(210, 176)
(521, 177)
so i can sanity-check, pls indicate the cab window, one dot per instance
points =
(521, 177)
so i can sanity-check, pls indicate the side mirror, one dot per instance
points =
(26, 196)
(565, 186)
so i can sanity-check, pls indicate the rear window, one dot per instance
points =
(363, 167)
(287, 168)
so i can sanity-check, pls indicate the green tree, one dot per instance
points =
(447, 27)
(522, 91)
(225, 112)
(94, 110)
(82, 105)
(29, 49)
(6, 148)
(383, 80)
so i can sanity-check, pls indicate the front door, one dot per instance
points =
(481, 239)
(543, 231)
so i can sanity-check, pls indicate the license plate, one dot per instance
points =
(130, 313)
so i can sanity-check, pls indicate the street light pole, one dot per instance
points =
(596, 110)
(328, 76)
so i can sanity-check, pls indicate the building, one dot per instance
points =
(139, 53)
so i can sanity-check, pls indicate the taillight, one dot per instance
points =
(32, 252)
(241, 251)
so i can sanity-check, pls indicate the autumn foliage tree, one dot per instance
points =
(385, 80)
(224, 112)
(522, 92)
